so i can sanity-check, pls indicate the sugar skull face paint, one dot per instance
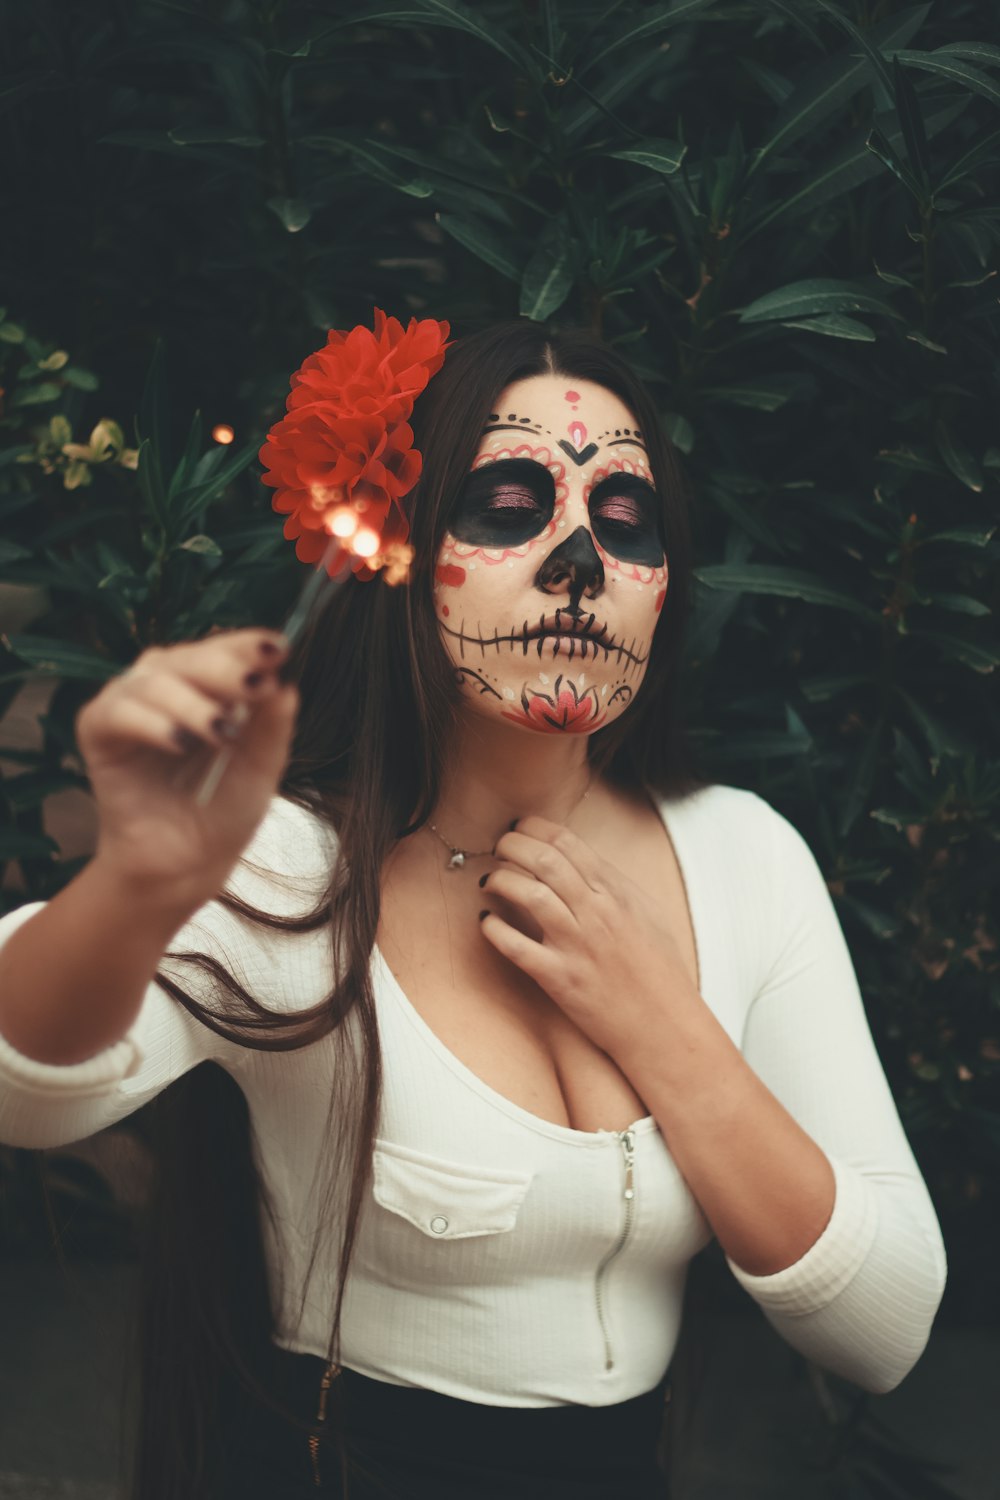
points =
(552, 573)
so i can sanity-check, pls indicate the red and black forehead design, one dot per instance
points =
(579, 451)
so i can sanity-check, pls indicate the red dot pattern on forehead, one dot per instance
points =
(573, 397)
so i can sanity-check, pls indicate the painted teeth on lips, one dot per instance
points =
(564, 623)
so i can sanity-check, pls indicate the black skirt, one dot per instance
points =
(407, 1444)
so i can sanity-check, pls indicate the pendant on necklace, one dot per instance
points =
(457, 860)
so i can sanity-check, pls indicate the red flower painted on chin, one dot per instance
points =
(563, 711)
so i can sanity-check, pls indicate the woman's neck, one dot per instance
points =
(494, 774)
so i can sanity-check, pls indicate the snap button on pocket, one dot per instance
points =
(446, 1200)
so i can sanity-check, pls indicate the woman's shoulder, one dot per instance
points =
(736, 831)
(729, 810)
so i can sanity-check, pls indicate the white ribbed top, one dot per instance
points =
(497, 1259)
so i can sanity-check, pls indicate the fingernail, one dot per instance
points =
(483, 914)
(252, 679)
(514, 824)
(225, 727)
(184, 738)
(483, 878)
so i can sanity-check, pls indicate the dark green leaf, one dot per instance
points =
(54, 658)
(891, 278)
(748, 745)
(957, 456)
(981, 658)
(213, 135)
(847, 167)
(658, 155)
(83, 380)
(881, 924)
(770, 578)
(911, 123)
(17, 845)
(960, 604)
(775, 85)
(818, 295)
(827, 85)
(679, 430)
(659, 19)
(36, 395)
(983, 52)
(921, 338)
(184, 470)
(151, 483)
(190, 500)
(981, 152)
(859, 788)
(966, 536)
(154, 418)
(955, 69)
(481, 241)
(547, 282)
(11, 552)
(444, 13)
(877, 63)
(877, 143)
(293, 213)
(833, 325)
(826, 685)
(766, 392)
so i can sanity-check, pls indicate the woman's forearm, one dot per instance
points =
(72, 978)
(763, 1184)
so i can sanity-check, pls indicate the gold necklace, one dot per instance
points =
(459, 856)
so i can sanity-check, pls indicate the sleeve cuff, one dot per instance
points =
(831, 1262)
(95, 1075)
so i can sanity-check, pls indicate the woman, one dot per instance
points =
(590, 1010)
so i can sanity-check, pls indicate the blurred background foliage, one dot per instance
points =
(785, 213)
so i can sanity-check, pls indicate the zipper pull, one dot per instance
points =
(627, 1139)
(330, 1374)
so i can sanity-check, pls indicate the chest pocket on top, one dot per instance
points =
(446, 1200)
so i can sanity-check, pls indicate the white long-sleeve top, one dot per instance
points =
(498, 1259)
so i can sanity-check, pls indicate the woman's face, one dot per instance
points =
(551, 576)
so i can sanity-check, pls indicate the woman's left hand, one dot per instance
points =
(605, 954)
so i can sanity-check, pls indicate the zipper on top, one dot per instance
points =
(627, 1141)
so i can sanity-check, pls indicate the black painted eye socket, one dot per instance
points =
(626, 520)
(504, 504)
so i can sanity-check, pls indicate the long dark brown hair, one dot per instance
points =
(378, 699)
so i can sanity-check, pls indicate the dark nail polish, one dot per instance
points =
(267, 648)
(514, 824)
(252, 679)
(184, 738)
(483, 879)
(224, 727)
(483, 914)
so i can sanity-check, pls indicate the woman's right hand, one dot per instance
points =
(147, 739)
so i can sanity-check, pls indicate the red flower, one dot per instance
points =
(565, 711)
(345, 438)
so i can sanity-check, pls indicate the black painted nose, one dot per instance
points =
(573, 567)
